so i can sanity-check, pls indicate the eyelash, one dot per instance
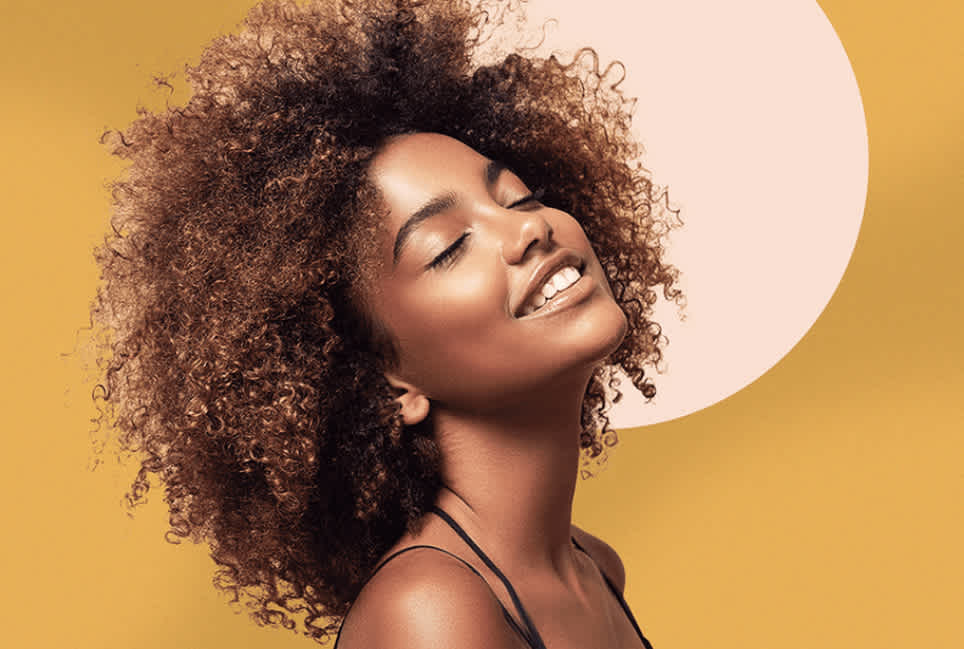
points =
(534, 196)
(448, 256)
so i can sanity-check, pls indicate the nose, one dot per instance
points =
(533, 232)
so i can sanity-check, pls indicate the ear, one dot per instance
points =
(415, 404)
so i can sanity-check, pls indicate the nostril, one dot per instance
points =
(529, 247)
(535, 231)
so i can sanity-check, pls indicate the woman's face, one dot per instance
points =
(487, 293)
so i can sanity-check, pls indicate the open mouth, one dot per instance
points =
(557, 283)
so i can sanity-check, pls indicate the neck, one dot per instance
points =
(510, 476)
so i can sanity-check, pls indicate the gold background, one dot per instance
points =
(820, 506)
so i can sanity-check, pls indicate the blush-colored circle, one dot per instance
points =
(750, 113)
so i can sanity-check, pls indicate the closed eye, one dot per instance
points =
(534, 197)
(448, 256)
(451, 254)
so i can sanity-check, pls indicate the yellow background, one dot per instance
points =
(820, 506)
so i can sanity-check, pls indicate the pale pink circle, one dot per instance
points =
(750, 113)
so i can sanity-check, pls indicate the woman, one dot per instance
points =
(362, 296)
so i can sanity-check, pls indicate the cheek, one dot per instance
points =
(568, 232)
(447, 317)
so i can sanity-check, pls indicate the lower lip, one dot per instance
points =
(578, 292)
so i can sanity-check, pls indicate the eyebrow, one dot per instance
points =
(437, 205)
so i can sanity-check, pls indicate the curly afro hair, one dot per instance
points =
(237, 366)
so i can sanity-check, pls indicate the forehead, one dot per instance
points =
(412, 169)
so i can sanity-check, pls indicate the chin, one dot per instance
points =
(618, 326)
(601, 335)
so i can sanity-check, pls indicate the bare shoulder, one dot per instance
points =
(426, 599)
(604, 555)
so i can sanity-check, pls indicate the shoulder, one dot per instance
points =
(426, 599)
(604, 555)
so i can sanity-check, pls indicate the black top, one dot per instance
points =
(529, 633)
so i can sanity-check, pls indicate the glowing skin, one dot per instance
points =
(456, 318)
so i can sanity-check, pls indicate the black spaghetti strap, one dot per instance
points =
(505, 612)
(619, 596)
(533, 637)
(529, 634)
(416, 547)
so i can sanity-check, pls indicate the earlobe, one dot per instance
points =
(414, 404)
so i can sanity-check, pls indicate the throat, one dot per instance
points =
(514, 480)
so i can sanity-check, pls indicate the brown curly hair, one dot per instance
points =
(238, 366)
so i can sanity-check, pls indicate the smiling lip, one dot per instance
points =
(541, 274)
(579, 291)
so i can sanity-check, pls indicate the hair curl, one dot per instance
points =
(238, 367)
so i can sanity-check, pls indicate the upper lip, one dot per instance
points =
(543, 271)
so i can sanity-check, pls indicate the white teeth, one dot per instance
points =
(563, 280)
(560, 281)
